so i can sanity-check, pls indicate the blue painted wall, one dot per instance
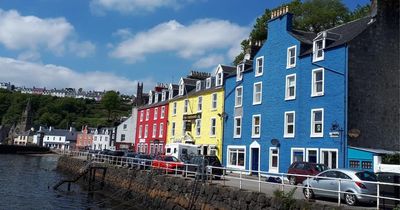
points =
(274, 105)
(360, 155)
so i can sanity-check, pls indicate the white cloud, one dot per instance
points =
(33, 34)
(23, 73)
(209, 61)
(134, 6)
(82, 49)
(196, 39)
(33, 56)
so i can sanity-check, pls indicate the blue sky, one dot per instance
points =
(112, 44)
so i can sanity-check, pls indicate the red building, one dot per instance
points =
(151, 130)
(84, 138)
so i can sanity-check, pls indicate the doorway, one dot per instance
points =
(255, 162)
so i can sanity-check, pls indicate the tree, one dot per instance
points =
(111, 102)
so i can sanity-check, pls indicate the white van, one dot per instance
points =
(178, 149)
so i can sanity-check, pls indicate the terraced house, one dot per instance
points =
(291, 101)
(196, 114)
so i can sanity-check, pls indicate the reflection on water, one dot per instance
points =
(26, 183)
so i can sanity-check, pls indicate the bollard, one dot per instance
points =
(240, 181)
(377, 196)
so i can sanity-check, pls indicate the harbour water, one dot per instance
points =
(26, 183)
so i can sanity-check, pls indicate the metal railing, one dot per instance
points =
(235, 174)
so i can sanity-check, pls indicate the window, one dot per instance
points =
(184, 127)
(318, 50)
(185, 106)
(239, 72)
(289, 124)
(214, 98)
(125, 126)
(354, 164)
(329, 157)
(162, 112)
(156, 98)
(213, 127)
(236, 157)
(173, 129)
(171, 93)
(239, 96)
(257, 93)
(366, 164)
(198, 85)
(174, 109)
(140, 131)
(259, 66)
(317, 122)
(155, 113)
(122, 137)
(237, 127)
(199, 104)
(147, 114)
(317, 86)
(208, 82)
(181, 88)
(297, 155)
(163, 95)
(141, 116)
(161, 130)
(146, 131)
(312, 155)
(273, 159)
(291, 57)
(290, 92)
(256, 125)
(198, 127)
(150, 98)
(154, 130)
(219, 78)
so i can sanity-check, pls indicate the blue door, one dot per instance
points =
(254, 160)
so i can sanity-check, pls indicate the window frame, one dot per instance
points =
(241, 96)
(185, 106)
(313, 134)
(315, 50)
(198, 127)
(288, 57)
(162, 114)
(198, 85)
(287, 87)
(154, 133)
(140, 131)
(297, 149)
(236, 149)
(199, 104)
(155, 114)
(239, 72)
(257, 72)
(163, 95)
(219, 78)
(146, 131)
(213, 119)
(308, 154)
(173, 129)
(286, 124)
(161, 130)
(253, 126)
(214, 101)
(313, 82)
(235, 126)
(254, 93)
(147, 114)
(174, 107)
(208, 83)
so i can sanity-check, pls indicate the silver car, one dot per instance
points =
(352, 184)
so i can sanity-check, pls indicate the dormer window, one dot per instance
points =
(239, 72)
(318, 50)
(171, 93)
(163, 95)
(156, 98)
(198, 85)
(219, 78)
(181, 88)
(259, 66)
(150, 98)
(208, 83)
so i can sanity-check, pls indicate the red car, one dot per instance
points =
(167, 163)
(304, 168)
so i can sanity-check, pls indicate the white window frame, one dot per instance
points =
(229, 148)
(185, 106)
(219, 78)
(198, 85)
(286, 124)
(146, 131)
(255, 93)
(239, 72)
(163, 95)
(181, 89)
(141, 116)
(198, 127)
(321, 154)
(140, 131)
(174, 107)
(161, 130)
(308, 154)
(154, 133)
(288, 59)
(270, 168)
(155, 113)
(257, 72)
(253, 126)
(235, 126)
(184, 127)
(171, 93)
(313, 134)
(173, 129)
(200, 104)
(147, 114)
(150, 98)
(214, 101)
(287, 87)
(213, 119)
(208, 83)
(297, 149)
(313, 82)
(236, 96)
(156, 98)
(162, 112)
(315, 52)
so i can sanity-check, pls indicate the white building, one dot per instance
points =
(104, 138)
(126, 132)
(57, 138)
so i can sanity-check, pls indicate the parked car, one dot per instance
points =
(142, 161)
(167, 163)
(304, 168)
(389, 190)
(198, 165)
(326, 184)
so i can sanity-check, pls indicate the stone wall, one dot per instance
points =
(151, 191)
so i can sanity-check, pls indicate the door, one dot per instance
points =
(273, 160)
(329, 158)
(255, 161)
(205, 150)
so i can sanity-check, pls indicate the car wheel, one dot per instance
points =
(292, 180)
(308, 193)
(350, 199)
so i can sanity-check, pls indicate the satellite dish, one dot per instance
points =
(275, 142)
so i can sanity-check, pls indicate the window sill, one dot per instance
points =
(317, 59)
(317, 95)
(317, 135)
(238, 106)
(291, 67)
(258, 103)
(258, 75)
(290, 99)
(237, 137)
(256, 137)
(288, 136)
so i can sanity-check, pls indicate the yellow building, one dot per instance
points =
(196, 114)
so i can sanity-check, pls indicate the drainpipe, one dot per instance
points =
(346, 90)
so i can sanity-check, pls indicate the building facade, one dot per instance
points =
(84, 139)
(104, 139)
(57, 138)
(126, 132)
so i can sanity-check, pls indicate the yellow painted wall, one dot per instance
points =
(206, 114)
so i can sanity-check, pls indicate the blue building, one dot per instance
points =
(288, 102)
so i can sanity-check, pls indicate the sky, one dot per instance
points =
(113, 44)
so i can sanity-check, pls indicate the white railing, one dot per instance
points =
(236, 174)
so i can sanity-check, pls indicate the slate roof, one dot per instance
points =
(229, 70)
(69, 136)
(189, 81)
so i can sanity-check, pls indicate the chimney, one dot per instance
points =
(50, 128)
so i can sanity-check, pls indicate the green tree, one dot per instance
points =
(111, 102)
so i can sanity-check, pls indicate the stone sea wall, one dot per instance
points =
(158, 191)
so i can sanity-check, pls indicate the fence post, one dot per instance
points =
(308, 187)
(166, 168)
(240, 181)
(186, 170)
(377, 195)
(176, 169)
(259, 181)
(223, 175)
(282, 183)
(339, 183)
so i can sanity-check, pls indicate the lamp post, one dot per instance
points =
(337, 131)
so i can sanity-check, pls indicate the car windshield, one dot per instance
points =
(169, 159)
(321, 167)
(366, 176)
